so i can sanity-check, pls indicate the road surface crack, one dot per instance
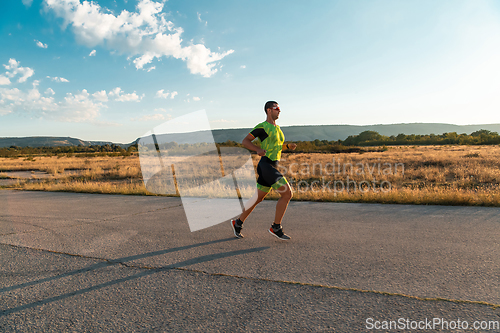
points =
(296, 283)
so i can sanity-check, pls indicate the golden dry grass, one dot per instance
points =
(448, 175)
(55, 165)
(461, 167)
(103, 187)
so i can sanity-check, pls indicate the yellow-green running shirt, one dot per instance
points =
(271, 139)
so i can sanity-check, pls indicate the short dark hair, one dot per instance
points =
(269, 105)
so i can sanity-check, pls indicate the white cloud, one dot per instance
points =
(162, 94)
(78, 108)
(157, 116)
(100, 96)
(194, 98)
(34, 94)
(4, 80)
(40, 44)
(73, 108)
(105, 123)
(144, 34)
(118, 95)
(151, 68)
(13, 69)
(57, 79)
(4, 112)
(14, 95)
(27, 3)
(92, 53)
(223, 121)
(199, 19)
(243, 66)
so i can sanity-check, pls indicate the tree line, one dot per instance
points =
(80, 151)
(363, 139)
(372, 138)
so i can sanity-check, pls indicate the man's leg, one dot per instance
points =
(286, 194)
(237, 224)
(260, 196)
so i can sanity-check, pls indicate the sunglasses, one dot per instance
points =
(276, 108)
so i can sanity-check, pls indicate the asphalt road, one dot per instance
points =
(110, 263)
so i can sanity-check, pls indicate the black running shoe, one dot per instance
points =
(236, 229)
(279, 233)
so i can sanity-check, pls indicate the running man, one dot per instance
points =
(271, 141)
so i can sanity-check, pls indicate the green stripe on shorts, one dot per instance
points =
(282, 181)
(263, 188)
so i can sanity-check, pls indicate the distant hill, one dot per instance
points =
(341, 132)
(47, 141)
(292, 133)
(333, 132)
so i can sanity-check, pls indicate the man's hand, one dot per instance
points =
(292, 146)
(261, 152)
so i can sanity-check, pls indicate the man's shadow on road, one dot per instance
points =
(107, 263)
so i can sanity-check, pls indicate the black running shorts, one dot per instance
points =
(269, 175)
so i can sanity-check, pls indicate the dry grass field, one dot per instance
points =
(448, 175)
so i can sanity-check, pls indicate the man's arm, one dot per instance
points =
(291, 146)
(247, 143)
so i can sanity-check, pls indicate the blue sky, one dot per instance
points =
(113, 70)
